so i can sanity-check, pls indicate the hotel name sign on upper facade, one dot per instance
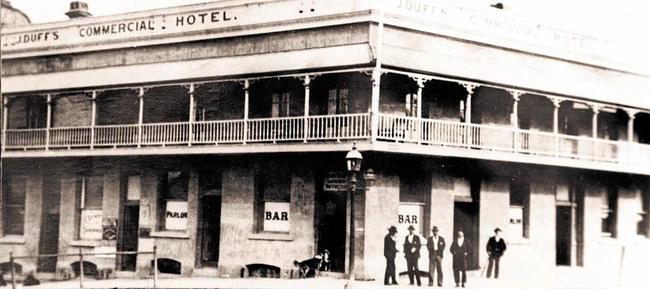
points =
(208, 20)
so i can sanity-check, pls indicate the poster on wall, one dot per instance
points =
(109, 229)
(91, 225)
(143, 220)
(516, 223)
(277, 216)
(411, 214)
(176, 215)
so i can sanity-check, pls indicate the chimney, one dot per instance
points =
(78, 9)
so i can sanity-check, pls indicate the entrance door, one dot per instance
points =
(332, 228)
(209, 229)
(129, 235)
(563, 235)
(49, 237)
(466, 220)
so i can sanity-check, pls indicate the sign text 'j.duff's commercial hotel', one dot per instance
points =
(218, 132)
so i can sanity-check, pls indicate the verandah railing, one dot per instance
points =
(507, 139)
(391, 128)
(284, 129)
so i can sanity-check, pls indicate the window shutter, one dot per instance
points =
(275, 105)
(331, 102)
(343, 101)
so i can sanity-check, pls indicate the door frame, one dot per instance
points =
(199, 229)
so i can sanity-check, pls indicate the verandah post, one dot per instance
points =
(246, 103)
(5, 110)
(468, 112)
(307, 84)
(192, 114)
(48, 122)
(140, 114)
(93, 116)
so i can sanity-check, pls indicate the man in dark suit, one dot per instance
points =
(412, 254)
(460, 250)
(436, 246)
(390, 250)
(496, 246)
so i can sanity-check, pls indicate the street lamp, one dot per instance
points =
(353, 160)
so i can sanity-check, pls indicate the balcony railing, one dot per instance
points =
(323, 128)
(507, 139)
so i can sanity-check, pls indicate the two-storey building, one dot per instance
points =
(217, 132)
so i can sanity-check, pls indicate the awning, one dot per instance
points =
(321, 58)
(466, 60)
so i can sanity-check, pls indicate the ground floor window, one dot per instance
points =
(172, 201)
(608, 213)
(273, 200)
(89, 207)
(13, 205)
(519, 209)
(643, 225)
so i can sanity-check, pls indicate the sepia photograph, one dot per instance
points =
(325, 144)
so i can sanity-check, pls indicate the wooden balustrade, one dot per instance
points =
(69, 137)
(116, 135)
(25, 138)
(220, 131)
(391, 128)
(338, 127)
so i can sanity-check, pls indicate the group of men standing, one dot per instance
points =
(460, 249)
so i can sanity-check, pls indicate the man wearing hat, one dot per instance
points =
(412, 254)
(436, 246)
(496, 246)
(390, 250)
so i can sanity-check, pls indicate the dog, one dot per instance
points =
(309, 268)
(326, 264)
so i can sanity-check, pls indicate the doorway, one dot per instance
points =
(129, 235)
(49, 236)
(332, 227)
(563, 234)
(209, 229)
(466, 219)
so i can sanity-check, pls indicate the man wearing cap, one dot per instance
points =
(496, 246)
(390, 250)
(436, 246)
(460, 250)
(412, 254)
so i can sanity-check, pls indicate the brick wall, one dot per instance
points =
(71, 110)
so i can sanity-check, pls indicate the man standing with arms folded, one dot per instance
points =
(436, 246)
(412, 246)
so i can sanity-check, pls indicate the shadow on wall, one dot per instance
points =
(169, 266)
(90, 269)
(260, 270)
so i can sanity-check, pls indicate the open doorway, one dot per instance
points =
(129, 225)
(129, 236)
(563, 234)
(49, 238)
(209, 222)
(332, 209)
(466, 219)
(209, 229)
(569, 225)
